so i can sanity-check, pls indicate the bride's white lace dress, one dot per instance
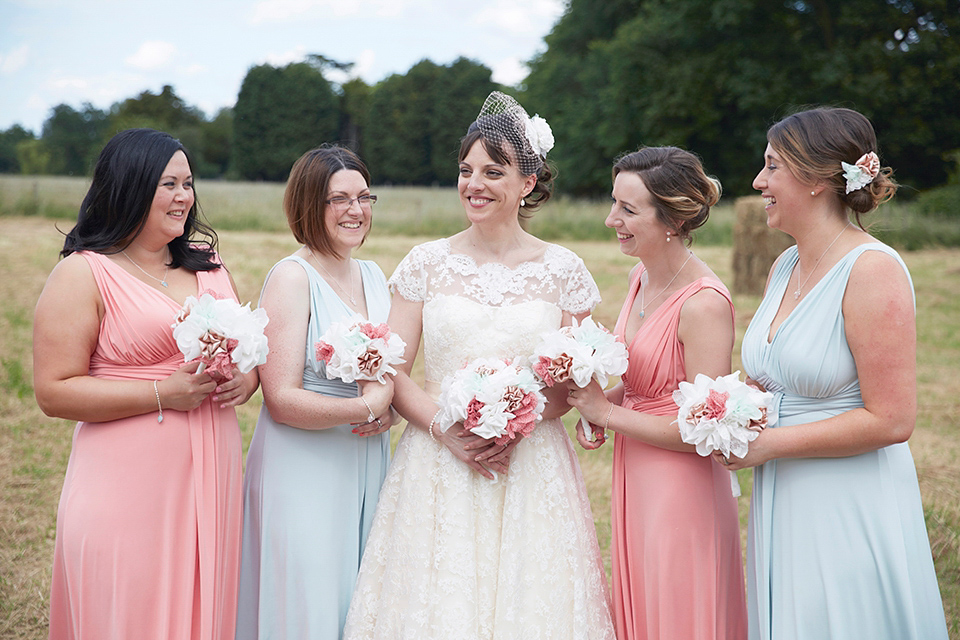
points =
(453, 555)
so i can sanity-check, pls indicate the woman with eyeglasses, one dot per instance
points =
(317, 460)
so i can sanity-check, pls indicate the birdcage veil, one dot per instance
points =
(502, 119)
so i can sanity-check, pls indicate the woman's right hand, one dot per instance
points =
(467, 446)
(185, 389)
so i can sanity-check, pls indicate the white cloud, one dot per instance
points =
(364, 64)
(14, 61)
(509, 71)
(152, 55)
(519, 18)
(290, 10)
(297, 54)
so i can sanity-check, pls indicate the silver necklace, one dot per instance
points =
(162, 281)
(350, 295)
(643, 306)
(796, 294)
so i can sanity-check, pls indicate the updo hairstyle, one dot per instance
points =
(682, 192)
(814, 142)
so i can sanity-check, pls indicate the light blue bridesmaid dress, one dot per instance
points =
(310, 497)
(837, 547)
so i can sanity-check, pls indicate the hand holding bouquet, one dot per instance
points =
(580, 353)
(359, 350)
(221, 333)
(493, 399)
(722, 414)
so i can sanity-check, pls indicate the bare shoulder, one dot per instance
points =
(71, 278)
(287, 275)
(707, 303)
(877, 283)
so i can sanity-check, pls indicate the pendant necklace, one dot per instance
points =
(796, 294)
(350, 295)
(161, 281)
(644, 306)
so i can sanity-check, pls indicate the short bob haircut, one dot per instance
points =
(116, 206)
(305, 199)
(682, 192)
(494, 148)
(815, 141)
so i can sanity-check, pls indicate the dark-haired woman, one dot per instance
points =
(457, 551)
(317, 459)
(675, 550)
(837, 543)
(148, 528)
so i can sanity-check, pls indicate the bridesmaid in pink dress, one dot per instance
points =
(148, 528)
(676, 560)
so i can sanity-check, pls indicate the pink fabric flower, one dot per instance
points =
(869, 163)
(473, 414)
(324, 351)
(375, 331)
(716, 404)
(369, 362)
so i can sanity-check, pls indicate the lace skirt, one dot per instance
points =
(455, 555)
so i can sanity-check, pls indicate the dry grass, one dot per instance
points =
(34, 449)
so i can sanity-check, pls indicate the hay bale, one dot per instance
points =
(755, 246)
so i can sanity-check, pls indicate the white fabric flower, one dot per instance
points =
(355, 349)
(862, 173)
(539, 135)
(224, 317)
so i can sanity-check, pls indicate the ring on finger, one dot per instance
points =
(379, 424)
(725, 460)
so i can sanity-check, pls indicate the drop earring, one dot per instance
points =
(523, 202)
(668, 236)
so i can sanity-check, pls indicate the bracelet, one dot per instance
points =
(159, 406)
(370, 416)
(606, 422)
(433, 422)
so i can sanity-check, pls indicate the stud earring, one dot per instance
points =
(813, 193)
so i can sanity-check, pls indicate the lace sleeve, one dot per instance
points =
(410, 277)
(580, 293)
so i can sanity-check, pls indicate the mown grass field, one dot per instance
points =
(34, 449)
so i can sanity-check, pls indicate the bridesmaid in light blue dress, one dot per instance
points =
(837, 543)
(317, 460)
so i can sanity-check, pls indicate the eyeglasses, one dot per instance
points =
(342, 204)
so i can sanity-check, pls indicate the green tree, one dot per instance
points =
(9, 139)
(712, 75)
(280, 114)
(33, 156)
(72, 138)
(415, 121)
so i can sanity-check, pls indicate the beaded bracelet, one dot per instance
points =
(606, 423)
(159, 406)
(433, 422)
(370, 415)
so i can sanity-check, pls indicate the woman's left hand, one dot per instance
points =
(230, 393)
(757, 454)
(378, 425)
(589, 401)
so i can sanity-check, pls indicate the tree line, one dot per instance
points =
(705, 75)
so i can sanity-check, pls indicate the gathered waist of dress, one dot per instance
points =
(335, 387)
(789, 409)
(656, 406)
(155, 371)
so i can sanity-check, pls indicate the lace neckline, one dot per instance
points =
(470, 261)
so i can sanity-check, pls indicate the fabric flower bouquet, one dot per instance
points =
(355, 349)
(221, 334)
(493, 398)
(581, 352)
(722, 414)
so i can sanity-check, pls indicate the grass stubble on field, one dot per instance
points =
(34, 449)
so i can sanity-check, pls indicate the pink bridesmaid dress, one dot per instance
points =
(149, 523)
(676, 561)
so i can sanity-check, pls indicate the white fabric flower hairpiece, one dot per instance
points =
(539, 135)
(862, 173)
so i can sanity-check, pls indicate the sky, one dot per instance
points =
(103, 51)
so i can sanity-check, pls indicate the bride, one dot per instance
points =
(473, 540)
